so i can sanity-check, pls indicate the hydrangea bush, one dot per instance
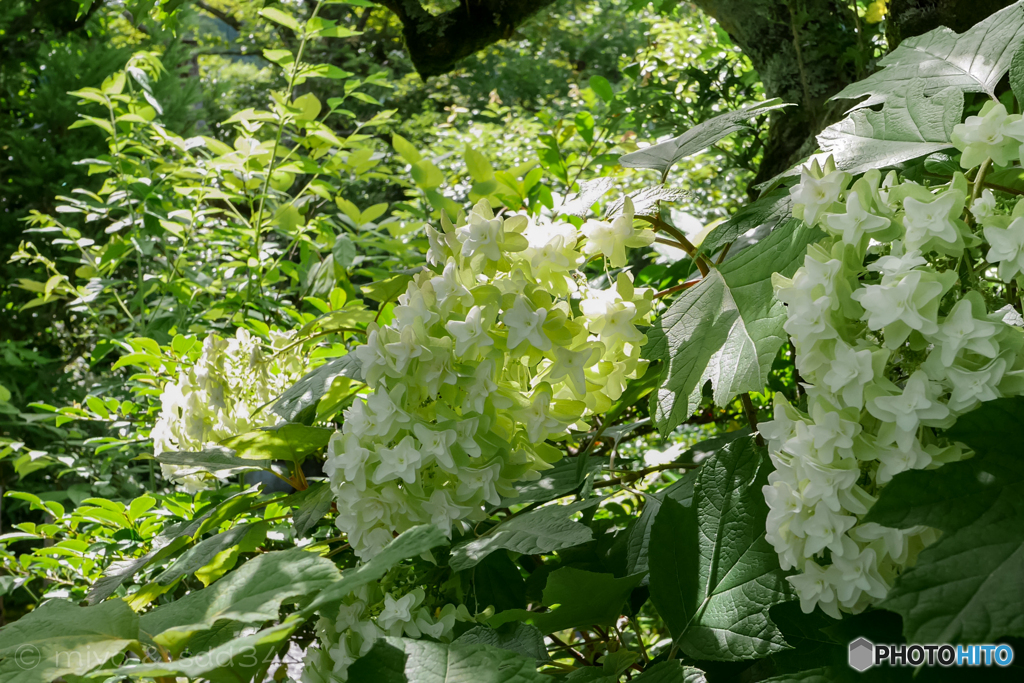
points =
(483, 514)
(896, 337)
(496, 349)
(222, 394)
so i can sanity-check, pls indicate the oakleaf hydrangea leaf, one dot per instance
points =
(972, 61)
(520, 638)
(578, 598)
(62, 639)
(402, 660)
(311, 388)
(664, 155)
(540, 531)
(958, 494)
(965, 587)
(235, 661)
(252, 593)
(726, 329)
(771, 210)
(910, 125)
(714, 576)
(671, 671)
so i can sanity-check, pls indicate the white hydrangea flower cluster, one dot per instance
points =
(497, 349)
(361, 622)
(994, 134)
(889, 348)
(217, 396)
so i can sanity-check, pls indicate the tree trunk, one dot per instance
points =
(802, 48)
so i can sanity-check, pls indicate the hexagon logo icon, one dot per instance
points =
(862, 654)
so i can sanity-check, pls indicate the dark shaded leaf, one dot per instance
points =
(539, 531)
(713, 574)
(520, 638)
(583, 598)
(314, 502)
(312, 387)
(726, 329)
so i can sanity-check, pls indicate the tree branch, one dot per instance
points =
(437, 42)
(223, 16)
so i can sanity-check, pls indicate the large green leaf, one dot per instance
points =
(646, 202)
(579, 598)
(520, 638)
(540, 531)
(664, 155)
(561, 480)
(202, 553)
(958, 494)
(171, 540)
(771, 210)
(61, 639)
(910, 125)
(967, 586)
(252, 593)
(973, 61)
(1017, 72)
(235, 661)
(401, 660)
(285, 442)
(671, 671)
(215, 459)
(411, 543)
(312, 387)
(498, 582)
(639, 539)
(313, 503)
(727, 328)
(713, 574)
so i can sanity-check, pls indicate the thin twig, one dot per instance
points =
(338, 550)
(639, 474)
(725, 252)
(979, 181)
(686, 244)
(570, 649)
(751, 412)
(639, 639)
(677, 288)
